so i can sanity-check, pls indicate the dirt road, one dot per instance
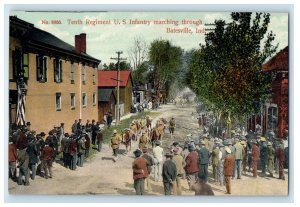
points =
(102, 175)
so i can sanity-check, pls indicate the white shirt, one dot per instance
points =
(158, 153)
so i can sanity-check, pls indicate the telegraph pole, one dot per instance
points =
(118, 85)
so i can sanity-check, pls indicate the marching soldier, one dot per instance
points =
(115, 143)
(172, 126)
(143, 140)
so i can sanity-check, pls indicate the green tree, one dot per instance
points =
(166, 59)
(226, 71)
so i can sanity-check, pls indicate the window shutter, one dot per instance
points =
(37, 67)
(45, 60)
(61, 71)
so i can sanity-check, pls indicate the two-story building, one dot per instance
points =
(60, 79)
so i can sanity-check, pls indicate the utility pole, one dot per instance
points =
(118, 85)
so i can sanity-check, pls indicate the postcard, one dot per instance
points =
(148, 103)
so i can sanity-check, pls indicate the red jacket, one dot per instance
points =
(192, 165)
(47, 153)
(73, 147)
(228, 165)
(140, 169)
(280, 154)
(12, 155)
(255, 152)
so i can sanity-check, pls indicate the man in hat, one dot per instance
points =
(215, 161)
(228, 169)
(73, 152)
(115, 142)
(109, 119)
(203, 161)
(65, 148)
(81, 150)
(143, 140)
(74, 127)
(270, 155)
(245, 155)
(140, 172)
(47, 156)
(169, 174)
(33, 157)
(263, 155)
(239, 153)
(158, 154)
(222, 155)
(172, 126)
(23, 162)
(192, 166)
(180, 163)
(87, 143)
(255, 157)
(150, 162)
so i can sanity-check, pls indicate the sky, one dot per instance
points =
(103, 40)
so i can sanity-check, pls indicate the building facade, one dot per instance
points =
(107, 80)
(60, 80)
(274, 112)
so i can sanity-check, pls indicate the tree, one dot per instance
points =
(138, 53)
(226, 71)
(166, 59)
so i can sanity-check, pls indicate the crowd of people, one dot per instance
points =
(31, 154)
(230, 157)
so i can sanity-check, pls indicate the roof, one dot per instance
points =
(109, 78)
(35, 36)
(104, 94)
(280, 62)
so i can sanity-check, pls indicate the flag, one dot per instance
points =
(21, 108)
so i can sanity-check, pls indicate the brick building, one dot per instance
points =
(61, 80)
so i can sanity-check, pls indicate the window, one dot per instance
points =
(72, 73)
(94, 76)
(84, 101)
(58, 101)
(72, 100)
(94, 98)
(41, 68)
(20, 64)
(83, 74)
(57, 70)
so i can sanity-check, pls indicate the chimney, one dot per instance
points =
(80, 43)
(83, 42)
(77, 43)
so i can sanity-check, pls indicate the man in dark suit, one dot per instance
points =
(203, 161)
(228, 169)
(169, 173)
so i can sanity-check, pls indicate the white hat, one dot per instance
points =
(227, 149)
(115, 131)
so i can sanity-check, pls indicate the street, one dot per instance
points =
(102, 176)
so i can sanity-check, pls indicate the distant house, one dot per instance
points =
(108, 80)
(274, 112)
(106, 102)
(60, 80)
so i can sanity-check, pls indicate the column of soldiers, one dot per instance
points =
(31, 153)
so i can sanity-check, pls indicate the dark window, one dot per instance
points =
(84, 101)
(94, 76)
(57, 70)
(58, 101)
(94, 98)
(41, 68)
(72, 100)
(20, 64)
(83, 74)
